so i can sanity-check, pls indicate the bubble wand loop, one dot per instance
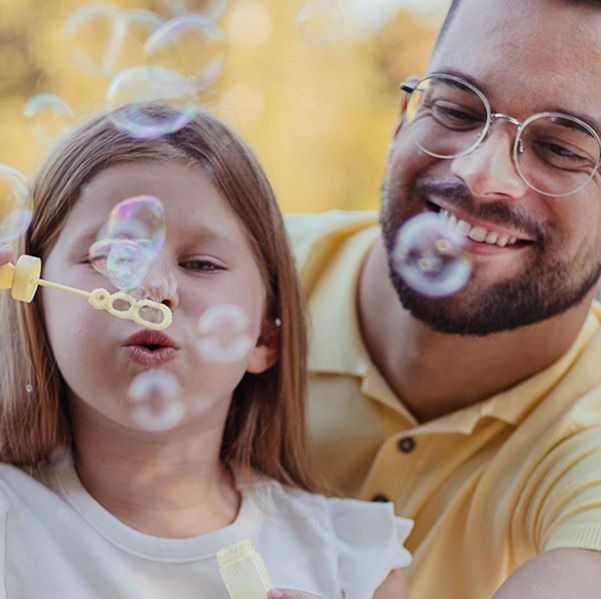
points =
(23, 279)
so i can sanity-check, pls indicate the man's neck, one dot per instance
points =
(434, 373)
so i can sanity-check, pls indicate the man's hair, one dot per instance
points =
(455, 3)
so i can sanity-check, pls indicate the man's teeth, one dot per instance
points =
(477, 233)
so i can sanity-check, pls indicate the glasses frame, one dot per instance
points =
(411, 86)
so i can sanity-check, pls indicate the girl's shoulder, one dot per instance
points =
(23, 490)
(350, 529)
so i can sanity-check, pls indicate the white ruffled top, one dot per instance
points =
(58, 541)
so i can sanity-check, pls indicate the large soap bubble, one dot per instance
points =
(431, 256)
(192, 45)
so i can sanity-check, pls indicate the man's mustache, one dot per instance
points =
(500, 212)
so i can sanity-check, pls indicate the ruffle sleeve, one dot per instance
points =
(370, 542)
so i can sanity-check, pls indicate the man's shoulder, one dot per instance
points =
(320, 234)
(316, 225)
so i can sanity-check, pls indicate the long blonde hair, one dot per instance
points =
(265, 427)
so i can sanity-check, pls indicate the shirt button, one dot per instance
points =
(406, 444)
(380, 499)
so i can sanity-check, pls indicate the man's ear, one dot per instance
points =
(403, 103)
(265, 354)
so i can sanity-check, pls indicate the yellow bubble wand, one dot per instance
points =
(23, 279)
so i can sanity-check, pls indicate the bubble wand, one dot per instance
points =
(23, 279)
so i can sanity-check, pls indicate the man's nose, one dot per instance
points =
(489, 170)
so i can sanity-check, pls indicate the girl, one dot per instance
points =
(126, 512)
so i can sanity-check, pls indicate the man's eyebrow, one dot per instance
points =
(590, 121)
(586, 118)
(461, 75)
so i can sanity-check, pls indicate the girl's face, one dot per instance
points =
(207, 251)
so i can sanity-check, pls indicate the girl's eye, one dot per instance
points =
(201, 265)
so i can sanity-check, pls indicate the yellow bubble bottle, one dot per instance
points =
(243, 571)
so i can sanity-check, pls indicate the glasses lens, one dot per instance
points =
(556, 154)
(447, 117)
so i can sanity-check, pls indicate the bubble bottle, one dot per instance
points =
(243, 571)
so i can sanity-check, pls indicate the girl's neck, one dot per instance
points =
(175, 486)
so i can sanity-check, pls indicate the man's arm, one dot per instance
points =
(556, 574)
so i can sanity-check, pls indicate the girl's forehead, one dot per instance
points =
(192, 204)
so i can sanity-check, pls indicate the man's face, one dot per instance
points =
(526, 56)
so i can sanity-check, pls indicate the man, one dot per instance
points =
(478, 414)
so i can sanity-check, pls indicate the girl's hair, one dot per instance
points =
(265, 424)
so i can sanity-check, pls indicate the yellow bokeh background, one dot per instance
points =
(318, 116)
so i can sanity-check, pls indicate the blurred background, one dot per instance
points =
(311, 85)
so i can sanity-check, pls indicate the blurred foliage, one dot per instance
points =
(319, 116)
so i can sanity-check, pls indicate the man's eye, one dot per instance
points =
(456, 116)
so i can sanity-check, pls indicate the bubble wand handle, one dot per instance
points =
(23, 280)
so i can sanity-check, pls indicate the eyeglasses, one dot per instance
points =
(555, 154)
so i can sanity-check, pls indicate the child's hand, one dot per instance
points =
(6, 253)
(291, 594)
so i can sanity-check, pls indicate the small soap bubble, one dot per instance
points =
(49, 117)
(224, 334)
(126, 263)
(192, 45)
(16, 205)
(431, 256)
(320, 22)
(87, 34)
(158, 283)
(140, 219)
(29, 388)
(131, 90)
(103, 40)
(208, 8)
(126, 249)
(155, 400)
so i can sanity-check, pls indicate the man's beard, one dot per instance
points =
(546, 287)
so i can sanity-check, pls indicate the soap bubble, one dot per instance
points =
(192, 45)
(49, 117)
(140, 219)
(150, 84)
(128, 263)
(209, 8)
(155, 400)
(431, 256)
(127, 245)
(224, 334)
(16, 205)
(104, 39)
(320, 22)
(158, 283)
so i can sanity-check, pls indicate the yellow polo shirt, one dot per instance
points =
(489, 486)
